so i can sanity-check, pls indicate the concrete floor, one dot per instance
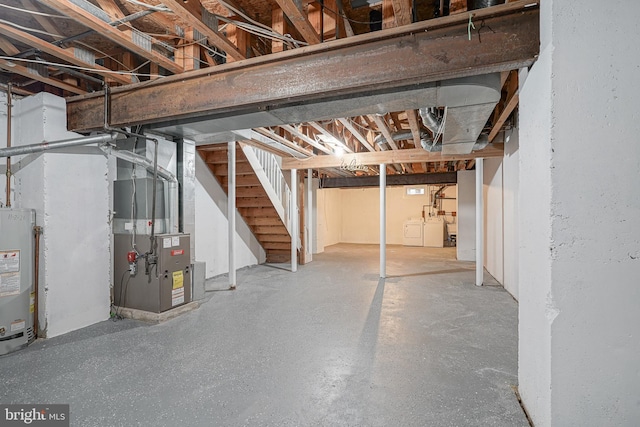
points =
(329, 345)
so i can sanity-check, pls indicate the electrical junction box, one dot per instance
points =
(17, 298)
(169, 283)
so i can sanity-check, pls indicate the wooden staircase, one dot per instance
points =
(251, 201)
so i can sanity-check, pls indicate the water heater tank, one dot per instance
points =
(16, 279)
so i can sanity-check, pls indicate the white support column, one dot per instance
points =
(231, 213)
(383, 221)
(479, 222)
(294, 221)
(309, 205)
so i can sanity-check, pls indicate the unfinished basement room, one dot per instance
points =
(319, 213)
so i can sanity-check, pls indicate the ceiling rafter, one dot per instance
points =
(293, 10)
(317, 126)
(295, 132)
(115, 35)
(47, 24)
(351, 128)
(64, 54)
(271, 134)
(7, 47)
(191, 13)
(32, 74)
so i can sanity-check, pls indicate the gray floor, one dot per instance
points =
(329, 345)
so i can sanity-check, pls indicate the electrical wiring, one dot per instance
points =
(33, 12)
(29, 29)
(92, 70)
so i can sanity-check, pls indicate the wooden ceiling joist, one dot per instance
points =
(64, 54)
(74, 11)
(293, 10)
(413, 155)
(389, 60)
(191, 13)
(14, 67)
(356, 133)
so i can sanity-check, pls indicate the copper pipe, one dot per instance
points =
(8, 201)
(37, 231)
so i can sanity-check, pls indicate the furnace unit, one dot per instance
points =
(168, 282)
(17, 298)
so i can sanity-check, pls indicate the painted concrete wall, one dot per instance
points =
(510, 188)
(580, 203)
(493, 214)
(353, 215)
(70, 193)
(329, 216)
(466, 239)
(212, 228)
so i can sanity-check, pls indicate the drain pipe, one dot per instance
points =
(45, 146)
(37, 230)
(172, 193)
(8, 201)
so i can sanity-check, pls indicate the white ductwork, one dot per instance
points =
(172, 191)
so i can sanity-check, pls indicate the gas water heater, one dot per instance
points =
(17, 297)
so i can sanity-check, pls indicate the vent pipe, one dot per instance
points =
(45, 146)
(430, 120)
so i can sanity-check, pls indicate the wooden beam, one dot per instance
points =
(87, 19)
(409, 179)
(382, 61)
(277, 25)
(284, 141)
(13, 67)
(190, 11)
(355, 132)
(293, 10)
(328, 134)
(44, 22)
(295, 132)
(414, 125)
(188, 53)
(402, 11)
(414, 155)
(64, 54)
(7, 47)
(382, 127)
(510, 105)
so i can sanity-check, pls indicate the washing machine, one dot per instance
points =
(412, 233)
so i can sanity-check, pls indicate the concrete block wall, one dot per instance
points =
(580, 204)
(70, 193)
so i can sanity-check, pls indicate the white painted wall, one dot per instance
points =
(493, 213)
(466, 238)
(580, 204)
(352, 215)
(329, 217)
(510, 188)
(211, 228)
(70, 193)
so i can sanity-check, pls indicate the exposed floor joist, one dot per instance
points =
(389, 60)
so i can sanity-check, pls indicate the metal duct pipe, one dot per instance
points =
(481, 4)
(429, 120)
(45, 146)
(398, 136)
(8, 200)
(427, 144)
(172, 190)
